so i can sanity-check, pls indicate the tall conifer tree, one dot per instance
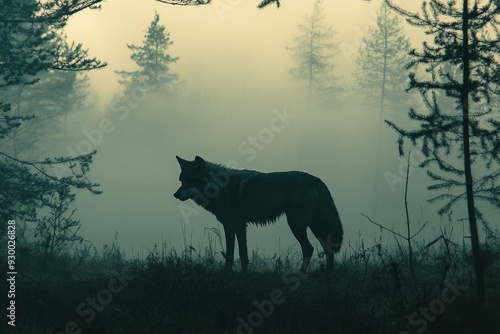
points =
(462, 145)
(152, 59)
(382, 59)
(314, 51)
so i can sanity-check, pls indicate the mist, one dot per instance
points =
(117, 117)
(233, 65)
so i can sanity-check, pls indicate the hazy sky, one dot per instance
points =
(227, 45)
(232, 49)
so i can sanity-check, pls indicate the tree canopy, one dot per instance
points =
(152, 59)
(382, 59)
(31, 48)
(314, 53)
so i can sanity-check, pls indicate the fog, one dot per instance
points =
(233, 65)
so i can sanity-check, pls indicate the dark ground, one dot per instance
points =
(372, 291)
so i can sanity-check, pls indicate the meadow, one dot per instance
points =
(373, 290)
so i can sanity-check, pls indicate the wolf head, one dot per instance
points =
(202, 181)
(192, 178)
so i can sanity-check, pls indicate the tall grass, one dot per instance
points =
(372, 290)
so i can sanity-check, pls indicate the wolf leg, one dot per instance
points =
(241, 234)
(299, 230)
(324, 239)
(230, 234)
(329, 262)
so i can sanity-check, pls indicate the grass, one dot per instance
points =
(372, 291)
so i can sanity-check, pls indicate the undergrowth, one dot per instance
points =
(371, 291)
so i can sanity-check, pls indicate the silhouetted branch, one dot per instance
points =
(266, 3)
(186, 2)
(383, 227)
(394, 232)
(52, 12)
(261, 5)
(78, 180)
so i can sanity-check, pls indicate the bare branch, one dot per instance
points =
(186, 2)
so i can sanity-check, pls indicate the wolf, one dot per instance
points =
(238, 197)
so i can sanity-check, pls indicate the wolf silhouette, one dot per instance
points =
(238, 197)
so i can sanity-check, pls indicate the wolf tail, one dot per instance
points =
(329, 219)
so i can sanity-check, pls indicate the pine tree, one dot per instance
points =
(456, 140)
(153, 61)
(382, 77)
(50, 101)
(382, 59)
(314, 51)
(29, 52)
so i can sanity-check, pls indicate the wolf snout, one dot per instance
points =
(177, 195)
(182, 194)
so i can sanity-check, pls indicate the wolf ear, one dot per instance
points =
(199, 162)
(181, 161)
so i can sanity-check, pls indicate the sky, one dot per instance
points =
(236, 53)
(213, 42)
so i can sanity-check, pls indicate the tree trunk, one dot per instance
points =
(311, 56)
(376, 188)
(384, 70)
(467, 160)
(156, 62)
